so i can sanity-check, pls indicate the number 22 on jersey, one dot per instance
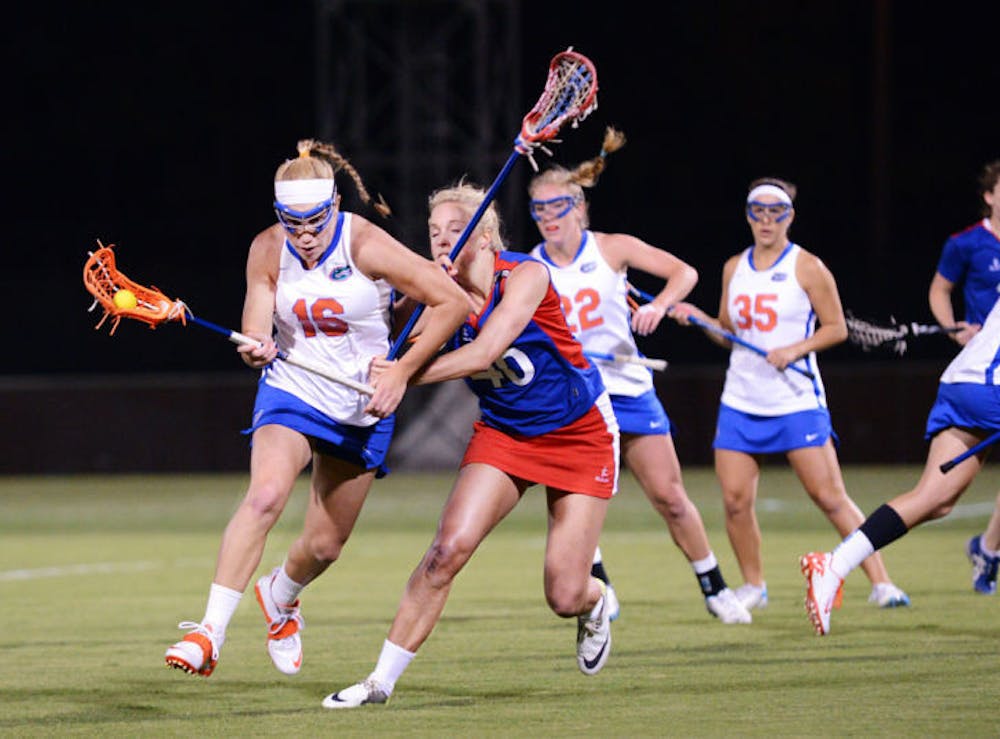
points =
(588, 301)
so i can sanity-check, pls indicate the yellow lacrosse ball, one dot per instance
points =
(125, 300)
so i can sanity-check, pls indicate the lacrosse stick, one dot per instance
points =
(103, 280)
(892, 335)
(645, 297)
(640, 295)
(658, 365)
(972, 451)
(570, 94)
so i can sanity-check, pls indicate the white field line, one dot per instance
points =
(97, 568)
(770, 505)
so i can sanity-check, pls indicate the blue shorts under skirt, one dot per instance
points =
(365, 446)
(745, 432)
(965, 405)
(642, 415)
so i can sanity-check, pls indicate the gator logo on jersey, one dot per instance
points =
(341, 273)
(779, 277)
(588, 267)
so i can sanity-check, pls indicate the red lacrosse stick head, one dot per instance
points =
(570, 95)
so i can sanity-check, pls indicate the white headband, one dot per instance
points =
(774, 190)
(300, 192)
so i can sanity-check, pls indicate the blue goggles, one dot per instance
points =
(777, 212)
(555, 207)
(298, 221)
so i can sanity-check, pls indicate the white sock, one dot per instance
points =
(850, 553)
(391, 663)
(988, 552)
(597, 556)
(222, 602)
(709, 563)
(284, 589)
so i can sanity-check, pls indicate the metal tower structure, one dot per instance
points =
(417, 93)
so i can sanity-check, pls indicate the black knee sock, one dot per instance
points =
(711, 582)
(883, 527)
(597, 570)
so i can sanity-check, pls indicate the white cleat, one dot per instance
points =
(824, 589)
(197, 653)
(593, 637)
(284, 643)
(361, 694)
(614, 608)
(887, 595)
(752, 596)
(726, 607)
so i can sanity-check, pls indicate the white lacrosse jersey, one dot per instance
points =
(334, 316)
(978, 361)
(769, 309)
(594, 301)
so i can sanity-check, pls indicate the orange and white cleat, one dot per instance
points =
(284, 622)
(197, 653)
(824, 589)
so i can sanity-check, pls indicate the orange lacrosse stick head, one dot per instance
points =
(102, 280)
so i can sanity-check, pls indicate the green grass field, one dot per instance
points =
(96, 572)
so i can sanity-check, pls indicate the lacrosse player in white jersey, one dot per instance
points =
(965, 415)
(971, 258)
(320, 280)
(589, 269)
(773, 292)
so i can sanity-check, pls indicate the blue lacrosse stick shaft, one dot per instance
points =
(722, 332)
(987, 442)
(737, 340)
(469, 228)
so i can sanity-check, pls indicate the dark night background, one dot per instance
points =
(158, 127)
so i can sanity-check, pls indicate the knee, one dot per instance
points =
(672, 501)
(829, 499)
(736, 502)
(566, 601)
(444, 560)
(265, 501)
(325, 547)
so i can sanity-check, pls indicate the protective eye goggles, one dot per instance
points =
(777, 212)
(555, 207)
(298, 221)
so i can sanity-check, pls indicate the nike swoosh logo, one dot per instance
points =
(592, 663)
(811, 437)
(298, 662)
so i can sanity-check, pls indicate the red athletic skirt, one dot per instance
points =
(581, 457)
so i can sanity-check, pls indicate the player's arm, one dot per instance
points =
(380, 256)
(939, 296)
(258, 304)
(682, 310)
(623, 251)
(821, 287)
(526, 287)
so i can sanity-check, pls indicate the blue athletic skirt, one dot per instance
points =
(745, 432)
(642, 415)
(965, 405)
(365, 446)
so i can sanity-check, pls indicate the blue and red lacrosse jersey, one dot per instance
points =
(543, 381)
